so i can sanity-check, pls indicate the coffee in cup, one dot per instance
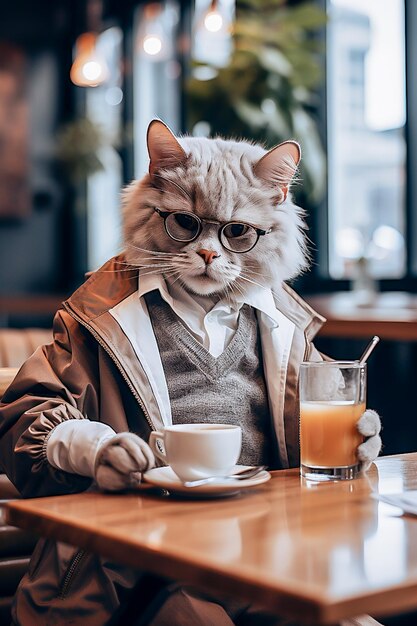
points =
(197, 451)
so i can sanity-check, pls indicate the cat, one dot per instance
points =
(217, 217)
(220, 180)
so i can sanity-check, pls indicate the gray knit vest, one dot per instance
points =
(229, 389)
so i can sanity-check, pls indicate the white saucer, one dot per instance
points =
(166, 478)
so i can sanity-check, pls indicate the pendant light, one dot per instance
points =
(153, 37)
(212, 41)
(89, 68)
(213, 19)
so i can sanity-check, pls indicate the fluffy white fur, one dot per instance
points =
(218, 180)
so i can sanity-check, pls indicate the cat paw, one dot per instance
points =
(368, 451)
(121, 461)
(369, 423)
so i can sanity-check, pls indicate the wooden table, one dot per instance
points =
(393, 315)
(316, 552)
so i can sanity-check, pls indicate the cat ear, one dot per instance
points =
(278, 166)
(164, 149)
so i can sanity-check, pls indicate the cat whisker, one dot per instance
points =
(182, 263)
(239, 289)
(154, 272)
(173, 270)
(226, 289)
(178, 274)
(249, 270)
(253, 273)
(126, 277)
(180, 280)
(122, 262)
(164, 269)
(241, 277)
(253, 282)
(179, 277)
(155, 258)
(155, 265)
(125, 269)
(157, 252)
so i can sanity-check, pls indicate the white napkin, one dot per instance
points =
(407, 500)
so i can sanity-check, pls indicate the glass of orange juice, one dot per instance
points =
(332, 399)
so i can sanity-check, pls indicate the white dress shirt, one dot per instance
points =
(213, 323)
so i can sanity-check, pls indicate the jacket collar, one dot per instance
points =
(116, 280)
(298, 311)
(104, 289)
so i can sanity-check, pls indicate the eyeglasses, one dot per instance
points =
(234, 236)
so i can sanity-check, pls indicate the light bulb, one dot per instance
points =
(89, 68)
(213, 21)
(388, 238)
(92, 70)
(155, 32)
(212, 41)
(152, 44)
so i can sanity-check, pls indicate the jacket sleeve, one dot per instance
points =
(58, 382)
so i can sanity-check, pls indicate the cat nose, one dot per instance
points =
(208, 255)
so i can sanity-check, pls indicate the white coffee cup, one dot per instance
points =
(198, 450)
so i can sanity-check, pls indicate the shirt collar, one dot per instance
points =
(178, 298)
(150, 282)
(262, 299)
(191, 309)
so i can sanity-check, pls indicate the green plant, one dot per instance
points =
(78, 146)
(267, 92)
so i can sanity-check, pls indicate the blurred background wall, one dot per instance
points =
(34, 100)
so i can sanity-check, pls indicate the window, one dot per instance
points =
(366, 138)
(103, 108)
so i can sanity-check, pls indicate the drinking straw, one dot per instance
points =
(369, 348)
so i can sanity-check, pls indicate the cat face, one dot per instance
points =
(219, 182)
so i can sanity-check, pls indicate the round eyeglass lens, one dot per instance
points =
(238, 237)
(182, 226)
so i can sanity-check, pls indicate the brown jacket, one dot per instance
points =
(91, 371)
